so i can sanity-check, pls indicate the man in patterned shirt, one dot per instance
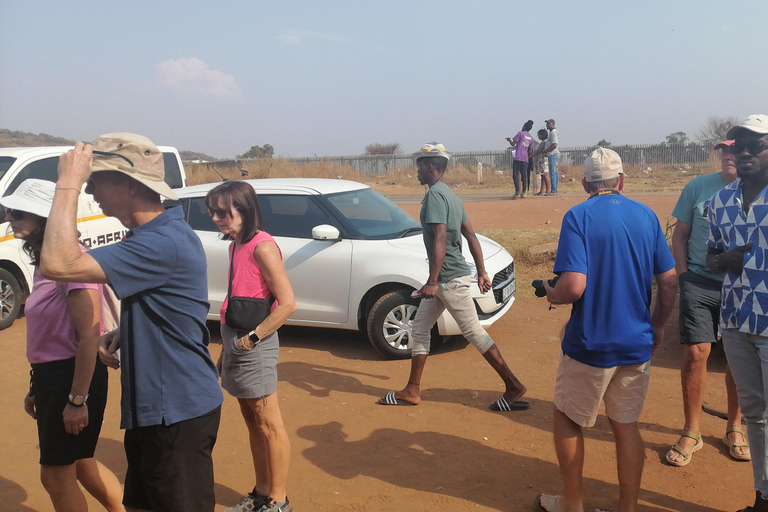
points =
(738, 248)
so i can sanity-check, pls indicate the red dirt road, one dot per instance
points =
(450, 453)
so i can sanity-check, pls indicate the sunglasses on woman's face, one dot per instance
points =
(753, 147)
(15, 214)
(220, 213)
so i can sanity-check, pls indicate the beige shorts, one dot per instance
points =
(580, 388)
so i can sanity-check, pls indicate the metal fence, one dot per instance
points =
(631, 154)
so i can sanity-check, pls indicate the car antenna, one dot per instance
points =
(217, 172)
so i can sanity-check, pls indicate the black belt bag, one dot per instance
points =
(244, 313)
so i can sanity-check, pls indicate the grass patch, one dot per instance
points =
(527, 266)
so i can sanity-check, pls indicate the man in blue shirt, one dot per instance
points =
(738, 249)
(609, 251)
(169, 382)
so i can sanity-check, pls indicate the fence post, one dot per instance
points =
(479, 172)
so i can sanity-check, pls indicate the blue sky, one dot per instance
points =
(330, 77)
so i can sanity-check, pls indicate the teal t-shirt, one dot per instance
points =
(693, 209)
(442, 206)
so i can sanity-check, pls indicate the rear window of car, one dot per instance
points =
(283, 215)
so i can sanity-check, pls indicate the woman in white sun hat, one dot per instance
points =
(68, 385)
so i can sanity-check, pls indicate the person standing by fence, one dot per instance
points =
(553, 154)
(520, 171)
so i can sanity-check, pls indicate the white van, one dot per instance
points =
(19, 164)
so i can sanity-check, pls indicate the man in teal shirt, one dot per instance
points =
(700, 310)
(444, 222)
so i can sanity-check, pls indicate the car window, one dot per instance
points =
(44, 169)
(283, 215)
(5, 163)
(373, 215)
(291, 215)
(172, 171)
(197, 214)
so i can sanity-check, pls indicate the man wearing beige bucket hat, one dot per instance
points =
(169, 382)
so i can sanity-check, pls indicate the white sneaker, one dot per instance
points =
(249, 503)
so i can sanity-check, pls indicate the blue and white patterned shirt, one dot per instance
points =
(744, 298)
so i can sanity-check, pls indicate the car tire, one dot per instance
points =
(10, 298)
(389, 324)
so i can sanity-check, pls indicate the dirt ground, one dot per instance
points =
(451, 453)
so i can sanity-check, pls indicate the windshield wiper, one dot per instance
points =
(408, 231)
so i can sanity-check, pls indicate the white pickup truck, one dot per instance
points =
(19, 164)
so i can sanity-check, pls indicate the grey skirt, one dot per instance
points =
(248, 373)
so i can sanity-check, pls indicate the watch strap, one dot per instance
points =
(77, 400)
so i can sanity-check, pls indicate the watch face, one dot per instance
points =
(254, 338)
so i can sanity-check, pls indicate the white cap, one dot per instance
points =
(757, 123)
(32, 196)
(603, 164)
(432, 149)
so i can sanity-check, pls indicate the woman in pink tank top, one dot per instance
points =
(248, 361)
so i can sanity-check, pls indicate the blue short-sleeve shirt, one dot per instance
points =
(619, 245)
(159, 273)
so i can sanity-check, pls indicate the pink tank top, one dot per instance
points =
(249, 281)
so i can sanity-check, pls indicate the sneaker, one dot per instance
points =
(273, 506)
(250, 502)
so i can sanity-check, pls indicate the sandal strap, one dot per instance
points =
(735, 428)
(681, 451)
(696, 436)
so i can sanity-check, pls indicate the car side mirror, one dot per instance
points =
(326, 232)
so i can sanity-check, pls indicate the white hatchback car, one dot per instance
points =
(352, 256)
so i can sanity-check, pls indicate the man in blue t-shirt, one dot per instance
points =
(609, 251)
(169, 382)
(700, 311)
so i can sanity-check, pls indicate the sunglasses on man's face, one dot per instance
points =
(222, 214)
(753, 147)
(15, 214)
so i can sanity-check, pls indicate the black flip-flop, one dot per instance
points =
(391, 399)
(502, 405)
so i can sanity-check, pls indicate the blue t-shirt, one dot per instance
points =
(159, 273)
(619, 245)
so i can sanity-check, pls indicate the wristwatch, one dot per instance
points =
(253, 337)
(77, 400)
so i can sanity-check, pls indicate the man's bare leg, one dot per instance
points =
(569, 445)
(412, 391)
(630, 456)
(693, 377)
(734, 413)
(514, 388)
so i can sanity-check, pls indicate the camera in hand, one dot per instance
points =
(538, 285)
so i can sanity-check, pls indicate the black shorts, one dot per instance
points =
(699, 308)
(51, 383)
(170, 467)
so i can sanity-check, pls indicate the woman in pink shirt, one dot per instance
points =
(248, 362)
(68, 388)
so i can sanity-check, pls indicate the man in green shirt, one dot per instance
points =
(700, 311)
(444, 222)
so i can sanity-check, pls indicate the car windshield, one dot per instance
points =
(5, 163)
(373, 215)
